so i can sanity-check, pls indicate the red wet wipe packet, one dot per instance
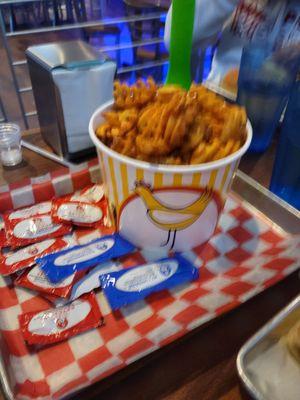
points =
(3, 240)
(35, 279)
(55, 300)
(85, 208)
(90, 194)
(27, 212)
(57, 324)
(23, 231)
(78, 212)
(25, 257)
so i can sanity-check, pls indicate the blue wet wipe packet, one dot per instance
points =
(133, 284)
(58, 266)
(91, 280)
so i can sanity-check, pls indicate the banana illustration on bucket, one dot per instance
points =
(168, 217)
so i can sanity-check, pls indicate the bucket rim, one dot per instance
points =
(153, 167)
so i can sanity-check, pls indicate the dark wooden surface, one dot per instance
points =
(32, 164)
(201, 365)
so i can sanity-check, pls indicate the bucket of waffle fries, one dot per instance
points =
(167, 158)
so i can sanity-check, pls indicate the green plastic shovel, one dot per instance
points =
(182, 26)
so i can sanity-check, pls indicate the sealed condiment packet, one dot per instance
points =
(64, 263)
(130, 285)
(57, 324)
(90, 194)
(86, 208)
(21, 232)
(3, 240)
(78, 213)
(55, 300)
(35, 279)
(25, 257)
(27, 212)
(91, 280)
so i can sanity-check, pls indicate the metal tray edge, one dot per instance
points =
(268, 193)
(267, 328)
(4, 380)
(277, 211)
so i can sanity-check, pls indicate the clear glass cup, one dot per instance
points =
(285, 180)
(265, 79)
(10, 144)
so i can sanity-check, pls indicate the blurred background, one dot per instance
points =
(130, 32)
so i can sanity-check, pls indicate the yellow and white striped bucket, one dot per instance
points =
(162, 206)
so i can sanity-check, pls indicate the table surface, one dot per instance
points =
(202, 364)
(32, 165)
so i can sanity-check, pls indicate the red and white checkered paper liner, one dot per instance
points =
(245, 256)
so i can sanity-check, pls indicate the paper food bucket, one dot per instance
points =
(162, 206)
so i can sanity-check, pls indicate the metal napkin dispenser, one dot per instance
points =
(69, 81)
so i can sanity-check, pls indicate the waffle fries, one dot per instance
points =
(169, 125)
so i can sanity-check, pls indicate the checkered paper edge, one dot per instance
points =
(57, 183)
(244, 257)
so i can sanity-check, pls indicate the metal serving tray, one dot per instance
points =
(264, 340)
(287, 218)
(283, 218)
